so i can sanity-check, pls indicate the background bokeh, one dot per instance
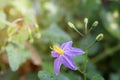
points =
(28, 28)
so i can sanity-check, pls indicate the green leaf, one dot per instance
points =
(8, 75)
(55, 34)
(46, 68)
(2, 20)
(32, 76)
(62, 77)
(114, 76)
(72, 75)
(97, 77)
(20, 37)
(91, 70)
(17, 54)
(44, 75)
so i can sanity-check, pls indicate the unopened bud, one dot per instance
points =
(71, 25)
(95, 24)
(99, 37)
(86, 20)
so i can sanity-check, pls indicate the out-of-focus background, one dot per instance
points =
(28, 28)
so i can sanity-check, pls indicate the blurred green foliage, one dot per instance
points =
(42, 23)
(16, 55)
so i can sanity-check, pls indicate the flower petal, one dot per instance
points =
(54, 54)
(57, 64)
(68, 62)
(74, 52)
(66, 45)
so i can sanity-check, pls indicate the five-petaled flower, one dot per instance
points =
(63, 55)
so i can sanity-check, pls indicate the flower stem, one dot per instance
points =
(91, 45)
(80, 70)
(79, 32)
(86, 60)
(86, 51)
(73, 26)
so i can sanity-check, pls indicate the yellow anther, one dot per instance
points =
(58, 50)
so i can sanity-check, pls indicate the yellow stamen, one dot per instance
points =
(58, 50)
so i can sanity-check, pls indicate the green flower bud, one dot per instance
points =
(99, 37)
(86, 20)
(95, 24)
(71, 25)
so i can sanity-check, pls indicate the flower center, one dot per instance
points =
(58, 50)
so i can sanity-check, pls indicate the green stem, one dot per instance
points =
(86, 57)
(85, 63)
(85, 28)
(86, 51)
(78, 31)
(91, 45)
(73, 26)
(109, 51)
(91, 28)
(80, 70)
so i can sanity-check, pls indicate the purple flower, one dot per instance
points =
(63, 55)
